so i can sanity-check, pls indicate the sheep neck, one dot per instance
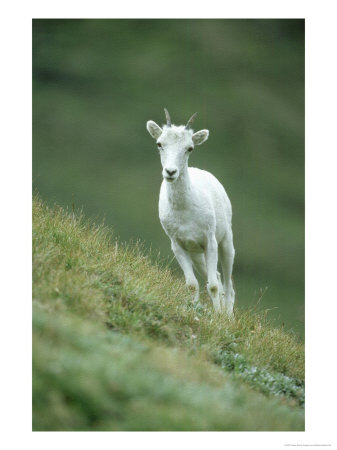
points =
(179, 192)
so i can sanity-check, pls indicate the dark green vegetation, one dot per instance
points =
(96, 83)
(117, 344)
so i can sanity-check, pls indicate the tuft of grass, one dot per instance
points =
(260, 378)
(117, 337)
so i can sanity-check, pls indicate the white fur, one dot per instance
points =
(196, 214)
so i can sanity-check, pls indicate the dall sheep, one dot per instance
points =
(196, 213)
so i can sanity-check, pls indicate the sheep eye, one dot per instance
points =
(159, 145)
(190, 149)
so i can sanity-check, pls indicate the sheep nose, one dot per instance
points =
(171, 172)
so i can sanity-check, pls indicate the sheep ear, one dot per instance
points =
(153, 129)
(200, 137)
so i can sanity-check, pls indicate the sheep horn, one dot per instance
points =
(189, 123)
(168, 118)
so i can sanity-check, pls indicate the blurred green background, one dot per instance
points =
(97, 82)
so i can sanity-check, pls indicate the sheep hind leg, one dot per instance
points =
(213, 286)
(226, 258)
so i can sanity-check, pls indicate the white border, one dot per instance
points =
(321, 223)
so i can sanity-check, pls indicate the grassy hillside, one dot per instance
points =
(97, 82)
(117, 344)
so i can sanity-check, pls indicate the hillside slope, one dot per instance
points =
(117, 344)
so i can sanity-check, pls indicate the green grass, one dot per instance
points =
(118, 344)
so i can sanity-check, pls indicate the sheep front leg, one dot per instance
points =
(212, 276)
(185, 263)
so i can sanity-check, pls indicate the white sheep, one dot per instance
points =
(196, 213)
